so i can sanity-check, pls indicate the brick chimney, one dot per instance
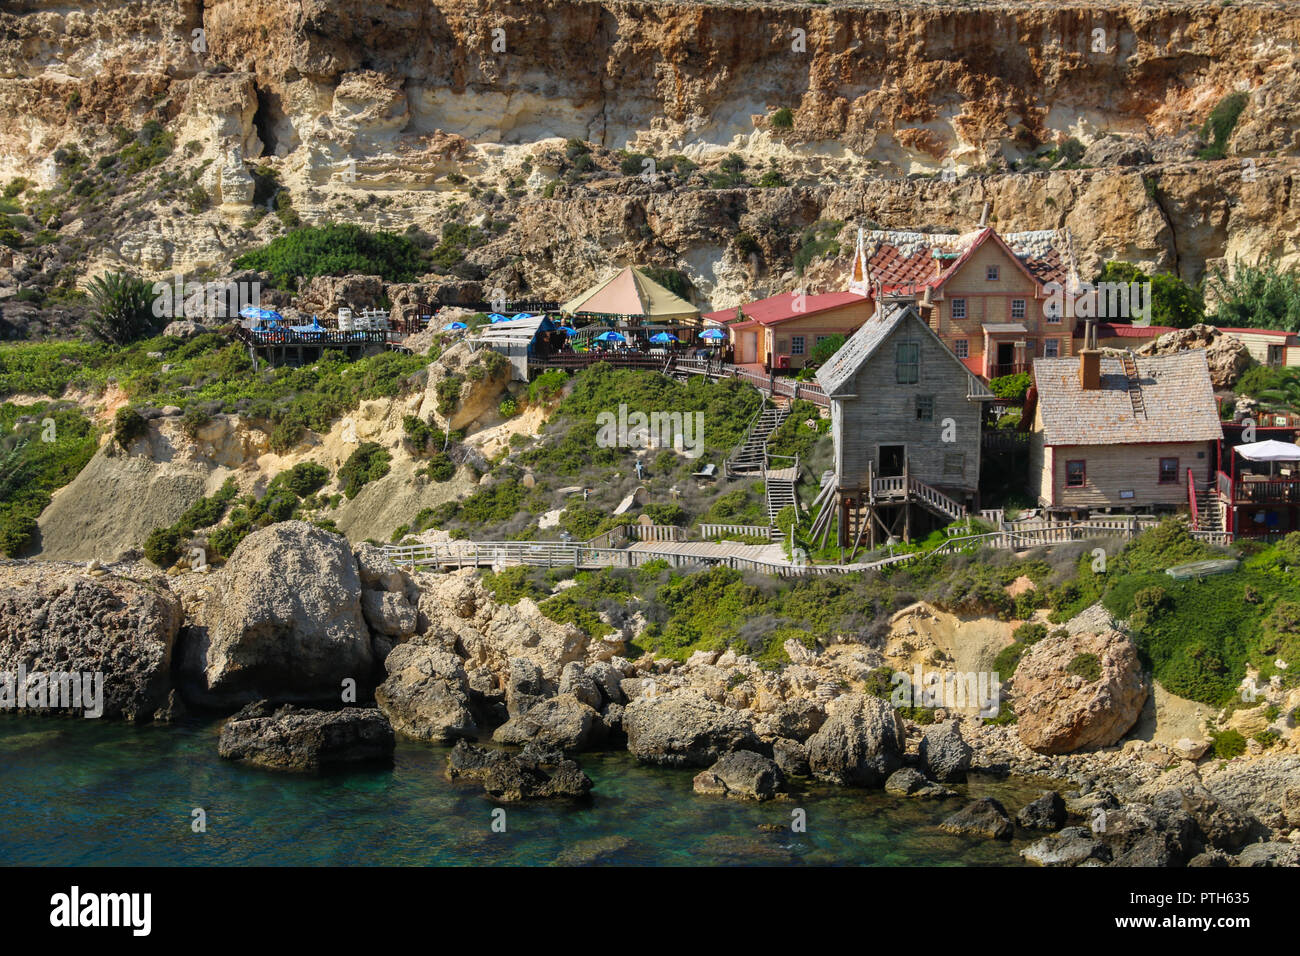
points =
(1089, 360)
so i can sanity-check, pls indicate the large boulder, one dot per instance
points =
(426, 694)
(529, 775)
(945, 755)
(1226, 355)
(293, 738)
(285, 622)
(1062, 707)
(860, 744)
(183, 329)
(909, 782)
(64, 622)
(742, 774)
(984, 817)
(1047, 812)
(560, 723)
(683, 728)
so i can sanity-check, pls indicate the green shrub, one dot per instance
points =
(546, 386)
(441, 467)
(335, 250)
(128, 425)
(1220, 124)
(509, 407)
(1011, 386)
(823, 350)
(783, 118)
(1259, 296)
(370, 462)
(448, 392)
(123, 308)
(162, 547)
(1228, 744)
(1087, 666)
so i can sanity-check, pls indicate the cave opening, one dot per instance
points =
(264, 120)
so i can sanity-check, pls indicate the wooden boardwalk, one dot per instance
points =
(713, 550)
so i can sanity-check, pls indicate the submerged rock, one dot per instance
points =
(294, 738)
(860, 744)
(912, 783)
(531, 774)
(984, 817)
(742, 774)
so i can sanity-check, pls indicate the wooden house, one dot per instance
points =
(518, 340)
(905, 418)
(1121, 432)
(780, 331)
(985, 295)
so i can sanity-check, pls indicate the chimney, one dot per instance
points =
(1089, 360)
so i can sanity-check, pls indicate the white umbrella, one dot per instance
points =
(1270, 451)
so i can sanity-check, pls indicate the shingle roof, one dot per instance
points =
(781, 308)
(1176, 394)
(844, 364)
(908, 261)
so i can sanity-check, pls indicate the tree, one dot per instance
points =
(123, 308)
(823, 350)
(1257, 296)
(1173, 302)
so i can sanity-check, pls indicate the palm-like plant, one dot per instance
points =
(123, 308)
(1262, 296)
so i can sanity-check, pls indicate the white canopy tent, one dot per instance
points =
(1269, 451)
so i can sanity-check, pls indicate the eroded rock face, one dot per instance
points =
(285, 621)
(426, 694)
(64, 621)
(293, 738)
(860, 744)
(743, 775)
(685, 729)
(1062, 712)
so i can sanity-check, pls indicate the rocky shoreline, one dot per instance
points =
(323, 652)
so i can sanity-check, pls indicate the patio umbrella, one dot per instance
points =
(454, 327)
(498, 317)
(568, 330)
(663, 337)
(521, 315)
(713, 334)
(264, 315)
(610, 336)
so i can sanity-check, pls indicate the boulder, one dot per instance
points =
(683, 728)
(791, 756)
(1220, 826)
(1226, 355)
(388, 613)
(285, 622)
(909, 782)
(860, 744)
(426, 694)
(529, 775)
(742, 774)
(64, 623)
(1143, 835)
(944, 754)
(797, 719)
(525, 686)
(293, 738)
(1071, 847)
(984, 817)
(1061, 711)
(1047, 812)
(1269, 854)
(574, 680)
(562, 722)
(378, 573)
(1114, 150)
(183, 329)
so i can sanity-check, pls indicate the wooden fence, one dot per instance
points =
(711, 531)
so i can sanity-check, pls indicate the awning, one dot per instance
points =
(1005, 328)
(1269, 451)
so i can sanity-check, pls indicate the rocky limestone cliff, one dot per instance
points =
(411, 112)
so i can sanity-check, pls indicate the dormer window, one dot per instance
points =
(991, 274)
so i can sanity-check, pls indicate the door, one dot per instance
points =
(748, 347)
(1006, 358)
(891, 460)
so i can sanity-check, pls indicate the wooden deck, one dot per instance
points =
(713, 550)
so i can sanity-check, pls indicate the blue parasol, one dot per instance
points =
(568, 330)
(498, 317)
(663, 338)
(521, 315)
(610, 336)
(713, 334)
(454, 326)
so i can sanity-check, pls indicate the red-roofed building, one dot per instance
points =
(780, 331)
(985, 295)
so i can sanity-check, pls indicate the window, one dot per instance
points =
(907, 358)
(1017, 308)
(925, 408)
(1051, 348)
(959, 308)
(796, 345)
(1168, 471)
(962, 348)
(1053, 312)
(821, 338)
(991, 274)
(1276, 356)
(954, 463)
(1076, 474)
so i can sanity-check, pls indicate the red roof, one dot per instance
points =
(1224, 328)
(1120, 330)
(781, 308)
(909, 261)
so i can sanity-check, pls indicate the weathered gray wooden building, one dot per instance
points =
(517, 340)
(906, 415)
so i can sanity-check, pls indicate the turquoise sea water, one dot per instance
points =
(82, 792)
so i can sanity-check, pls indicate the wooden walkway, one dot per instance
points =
(713, 550)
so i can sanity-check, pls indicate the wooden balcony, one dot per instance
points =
(1259, 490)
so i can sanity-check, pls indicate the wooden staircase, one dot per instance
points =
(779, 484)
(751, 456)
(904, 488)
(1209, 509)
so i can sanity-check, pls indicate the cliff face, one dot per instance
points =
(346, 100)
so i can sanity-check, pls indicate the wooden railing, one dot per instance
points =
(1191, 499)
(655, 532)
(709, 531)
